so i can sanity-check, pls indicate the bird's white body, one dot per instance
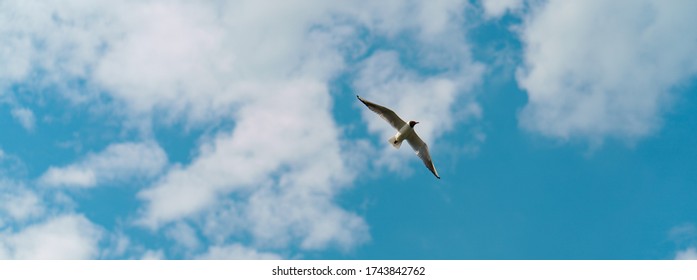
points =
(401, 135)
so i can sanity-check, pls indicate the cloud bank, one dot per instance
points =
(598, 69)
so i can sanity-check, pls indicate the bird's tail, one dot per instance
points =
(394, 142)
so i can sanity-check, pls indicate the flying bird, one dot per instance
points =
(405, 132)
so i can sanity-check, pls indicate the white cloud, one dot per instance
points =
(184, 235)
(196, 60)
(116, 162)
(68, 236)
(69, 176)
(683, 232)
(597, 69)
(117, 246)
(153, 255)
(687, 254)
(18, 202)
(277, 172)
(34, 227)
(60, 40)
(21, 205)
(497, 8)
(684, 236)
(236, 252)
(25, 117)
(11, 165)
(172, 56)
(283, 164)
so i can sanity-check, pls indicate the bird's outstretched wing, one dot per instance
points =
(387, 114)
(421, 150)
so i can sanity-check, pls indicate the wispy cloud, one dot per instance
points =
(236, 252)
(687, 254)
(25, 117)
(497, 8)
(153, 255)
(682, 233)
(184, 235)
(685, 237)
(19, 202)
(118, 162)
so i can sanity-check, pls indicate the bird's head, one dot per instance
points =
(412, 123)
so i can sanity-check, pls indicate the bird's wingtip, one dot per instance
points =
(361, 99)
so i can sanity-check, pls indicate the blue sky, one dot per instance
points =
(230, 130)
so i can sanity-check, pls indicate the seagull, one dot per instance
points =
(405, 132)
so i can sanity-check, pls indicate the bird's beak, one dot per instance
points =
(415, 122)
